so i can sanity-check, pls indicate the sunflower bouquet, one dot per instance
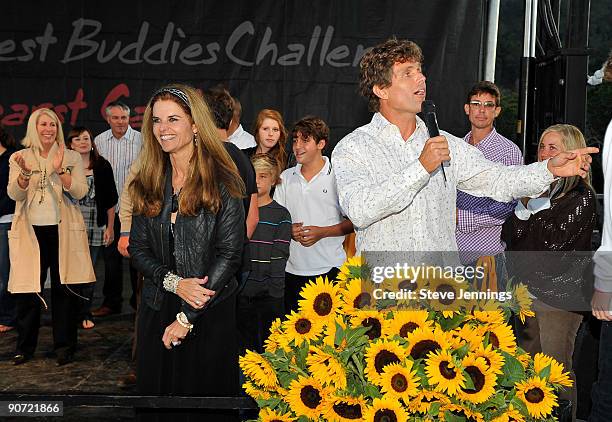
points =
(346, 356)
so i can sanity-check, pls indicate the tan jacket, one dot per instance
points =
(74, 259)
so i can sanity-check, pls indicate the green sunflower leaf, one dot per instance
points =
(449, 417)
(520, 406)
(449, 324)
(513, 370)
(434, 409)
(545, 373)
(469, 384)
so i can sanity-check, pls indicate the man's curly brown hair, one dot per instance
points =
(376, 65)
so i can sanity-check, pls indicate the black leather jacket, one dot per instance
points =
(205, 244)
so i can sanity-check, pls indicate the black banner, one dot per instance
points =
(299, 57)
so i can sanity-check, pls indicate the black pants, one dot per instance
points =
(294, 284)
(254, 316)
(113, 273)
(63, 303)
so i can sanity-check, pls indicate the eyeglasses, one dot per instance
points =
(487, 104)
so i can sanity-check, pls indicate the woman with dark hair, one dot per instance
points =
(7, 208)
(47, 233)
(97, 207)
(562, 220)
(270, 136)
(186, 239)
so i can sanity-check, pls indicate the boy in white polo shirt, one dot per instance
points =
(308, 191)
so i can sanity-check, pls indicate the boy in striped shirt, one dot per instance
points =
(262, 298)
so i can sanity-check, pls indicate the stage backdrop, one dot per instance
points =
(299, 57)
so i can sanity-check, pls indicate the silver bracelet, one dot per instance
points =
(183, 321)
(171, 282)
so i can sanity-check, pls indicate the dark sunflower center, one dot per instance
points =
(407, 285)
(348, 411)
(446, 298)
(374, 324)
(385, 415)
(323, 304)
(303, 326)
(493, 340)
(477, 377)
(534, 395)
(421, 349)
(399, 383)
(310, 396)
(407, 328)
(362, 300)
(384, 358)
(446, 370)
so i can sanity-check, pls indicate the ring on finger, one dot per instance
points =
(197, 302)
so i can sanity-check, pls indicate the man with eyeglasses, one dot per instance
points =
(480, 219)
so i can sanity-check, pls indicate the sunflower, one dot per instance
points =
(380, 354)
(401, 288)
(461, 411)
(255, 392)
(524, 358)
(444, 372)
(483, 380)
(329, 334)
(321, 299)
(269, 415)
(276, 340)
(300, 327)
(258, 369)
(354, 267)
(424, 340)
(500, 336)
(400, 381)
(537, 396)
(449, 289)
(306, 397)
(405, 322)
(345, 409)
(488, 317)
(385, 409)
(510, 415)
(373, 319)
(466, 334)
(358, 295)
(557, 376)
(423, 401)
(486, 306)
(523, 302)
(493, 359)
(326, 367)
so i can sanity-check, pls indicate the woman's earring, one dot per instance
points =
(195, 138)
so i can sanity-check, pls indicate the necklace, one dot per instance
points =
(42, 182)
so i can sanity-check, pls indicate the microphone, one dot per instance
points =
(428, 110)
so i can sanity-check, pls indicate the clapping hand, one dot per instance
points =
(59, 157)
(21, 162)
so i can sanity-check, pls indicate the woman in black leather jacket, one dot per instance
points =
(186, 238)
